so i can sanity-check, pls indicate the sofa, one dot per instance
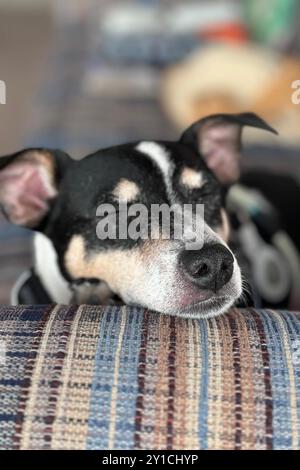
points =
(89, 377)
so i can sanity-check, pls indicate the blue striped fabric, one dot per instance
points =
(89, 377)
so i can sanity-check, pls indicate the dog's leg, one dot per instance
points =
(92, 293)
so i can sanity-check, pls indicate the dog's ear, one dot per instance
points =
(217, 139)
(29, 182)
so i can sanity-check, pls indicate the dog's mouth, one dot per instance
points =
(203, 306)
(207, 308)
(187, 301)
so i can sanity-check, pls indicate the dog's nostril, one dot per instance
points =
(202, 271)
(225, 266)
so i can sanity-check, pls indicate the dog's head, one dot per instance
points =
(49, 192)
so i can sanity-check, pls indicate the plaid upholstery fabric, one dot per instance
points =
(124, 378)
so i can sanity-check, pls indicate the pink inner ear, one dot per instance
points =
(219, 144)
(25, 190)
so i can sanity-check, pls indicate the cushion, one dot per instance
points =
(87, 377)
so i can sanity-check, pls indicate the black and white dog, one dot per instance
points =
(56, 196)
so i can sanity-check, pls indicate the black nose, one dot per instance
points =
(210, 268)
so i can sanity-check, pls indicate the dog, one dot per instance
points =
(49, 192)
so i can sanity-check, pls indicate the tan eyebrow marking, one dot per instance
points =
(191, 178)
(126, 190)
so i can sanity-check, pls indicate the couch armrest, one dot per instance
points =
(124, 378)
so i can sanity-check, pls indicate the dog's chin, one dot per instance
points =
(207, 308)
(191, 302)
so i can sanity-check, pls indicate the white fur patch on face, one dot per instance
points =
(148, 276)
(224, 230)
(126, 191)
(191, 178)
(160, 156)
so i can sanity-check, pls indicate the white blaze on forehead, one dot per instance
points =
(160, 156)
(224, 231)
(126, 190)
(191, 178)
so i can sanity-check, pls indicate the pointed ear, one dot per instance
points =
(29, 181)
(217, 139)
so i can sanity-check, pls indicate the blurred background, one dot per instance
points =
(86, 74)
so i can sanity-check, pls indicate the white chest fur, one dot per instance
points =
(46, 267)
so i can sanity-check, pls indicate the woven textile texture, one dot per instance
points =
(124, 378)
